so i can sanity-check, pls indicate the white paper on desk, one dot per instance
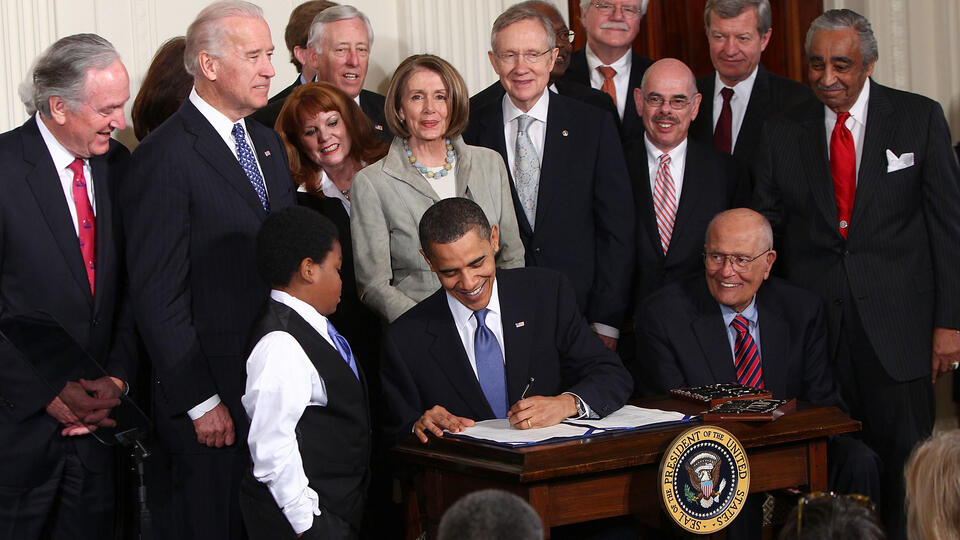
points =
(500, 431)
(630, 417)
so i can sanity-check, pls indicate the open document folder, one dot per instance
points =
(499, 430)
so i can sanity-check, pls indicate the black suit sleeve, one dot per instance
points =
(818, 381)
(614, 231)
(401, 399)
(658, 364)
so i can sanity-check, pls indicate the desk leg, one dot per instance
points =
(539, 499)
(817, 464)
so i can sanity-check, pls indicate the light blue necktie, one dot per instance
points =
(526, 176)
(343, 347)
(249, 164)
(490, 370)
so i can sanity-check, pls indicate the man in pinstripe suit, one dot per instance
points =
(867, 211)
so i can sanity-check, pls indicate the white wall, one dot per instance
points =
(457, 30)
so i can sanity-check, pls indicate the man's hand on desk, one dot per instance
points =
(542, 411)
(436, 420)
(215, 427)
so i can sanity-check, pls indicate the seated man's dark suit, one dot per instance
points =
(494, 93)
(544, 337)
(771, 95)
(42, 269)
(631, 126)
(684, 343)
(191, 216)
(584, 222)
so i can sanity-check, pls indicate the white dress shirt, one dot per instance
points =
(738, 103)
(537, 131)
(621, 81)
(281, 383)
(328, 188)
(224, 128)
(857, 123)
(62, 158)
(678, 161)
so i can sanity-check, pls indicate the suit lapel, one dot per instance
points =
(211, 147)
(755, 115)
(454, 365)
(880, 131)
(702, 127)
(645, 206)
(559, 146)
(690, 194)
(813, 148)
(397, 166)
(631, 119)
(104, 221)
(518, 317)
(44, 182)
(275, 175)
(711, 335)
(490, 135)
(774, 343)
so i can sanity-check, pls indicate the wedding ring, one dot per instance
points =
(528, 420)
(954, 365)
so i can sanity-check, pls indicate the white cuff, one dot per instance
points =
(300, 512)
(605, 330)
(204, 407)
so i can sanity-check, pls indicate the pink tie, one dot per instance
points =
(86, 222)
(664, 201)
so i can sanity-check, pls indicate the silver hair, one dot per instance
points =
(206, 33)
(643, 5)
(842, 19)
(334, 14)
(61, 70)
(490, 513)
(728, 9)
(515, 14)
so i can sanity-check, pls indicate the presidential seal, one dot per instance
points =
(704, 479)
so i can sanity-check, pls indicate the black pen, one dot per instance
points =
(524, 393)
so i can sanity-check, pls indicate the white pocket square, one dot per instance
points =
(895, 163)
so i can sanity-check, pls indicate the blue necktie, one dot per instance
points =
(249, 164)
(490, 369)
(343, 347)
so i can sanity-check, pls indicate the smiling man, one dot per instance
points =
(197, 191)
(863, 189)
(491, 344)
(741, 94)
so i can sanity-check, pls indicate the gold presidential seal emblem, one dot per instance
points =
(704, 479)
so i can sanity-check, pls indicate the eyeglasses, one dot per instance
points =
(656, 100)
(857, 498)
(739, 262)
(565, 35)
(510, 57)
(629, 12)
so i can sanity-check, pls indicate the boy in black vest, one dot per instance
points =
(305, 393)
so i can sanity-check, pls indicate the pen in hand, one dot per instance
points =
(527, 388)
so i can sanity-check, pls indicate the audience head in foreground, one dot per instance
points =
(828, 515)
(490, 513)
(933, 484)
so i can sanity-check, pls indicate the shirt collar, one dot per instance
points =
(305, 310)
(461, 313)
(62, 158)
(221, 124)
(538, 111)
(677, 154)
(620, 65)
(859, 110)
(750, 313)
(742, 88)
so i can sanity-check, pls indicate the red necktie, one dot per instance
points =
(608, 87)
(723, 135)
(747, 355)
(86, 222)
(843, 166)
(664, 201)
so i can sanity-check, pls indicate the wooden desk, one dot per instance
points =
(614, 475)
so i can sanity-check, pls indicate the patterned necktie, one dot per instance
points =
(490, 370)
(526, 175)
(746, 355)
(343, 347)
(86, 222)
(608, 87)
(249, 164)
(664, 201)
(843, 164)
(723, 135)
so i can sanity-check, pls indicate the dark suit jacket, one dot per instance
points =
(191, 216)
(269, 113)
(899, 262)
(41, 269)
(424, 363)
(632, 124)
(685, 340)
(577, 91)
(585, 221)
(771, 95)
(712, 183)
